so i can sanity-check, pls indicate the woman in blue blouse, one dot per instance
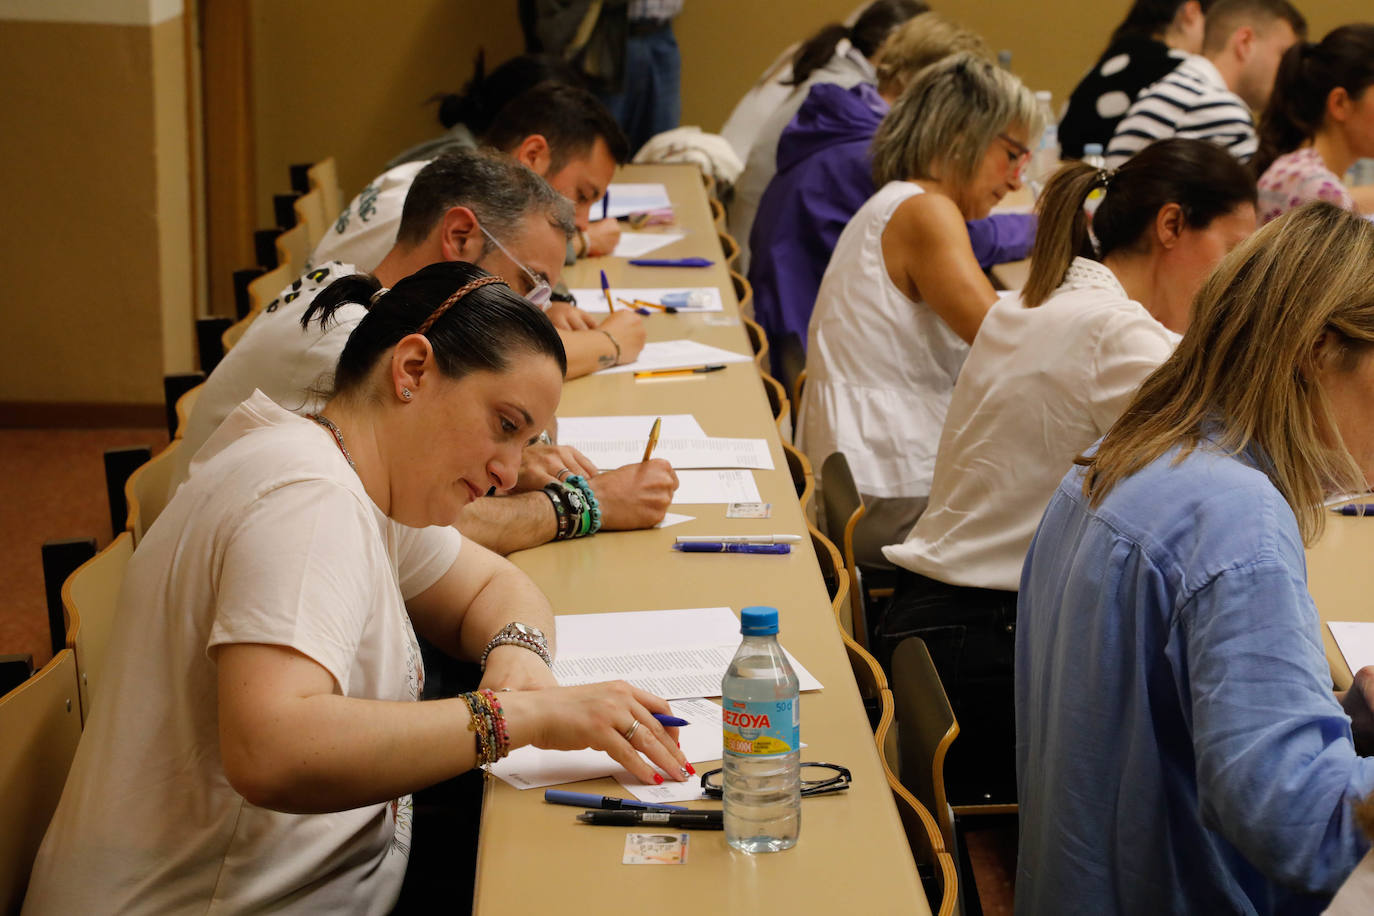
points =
(1179, 748)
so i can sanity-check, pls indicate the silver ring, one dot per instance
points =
(630, 732)
(561, 472)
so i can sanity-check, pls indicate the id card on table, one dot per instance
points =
(655, 849)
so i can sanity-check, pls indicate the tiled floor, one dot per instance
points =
(52, 485)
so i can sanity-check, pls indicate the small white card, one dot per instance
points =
(655, 849)
(672, 518)
(638, 244)
(749, 510)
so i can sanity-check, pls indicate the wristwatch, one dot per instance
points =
(519, 634)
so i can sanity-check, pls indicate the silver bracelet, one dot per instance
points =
(519, 634)
(614, 343)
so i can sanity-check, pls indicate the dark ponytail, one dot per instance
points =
(487, 93)
(1150, 18)
(479, 331)
(1307, 74)
(1202, 178)
(874, 24)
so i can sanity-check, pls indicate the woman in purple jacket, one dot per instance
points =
(825, 175)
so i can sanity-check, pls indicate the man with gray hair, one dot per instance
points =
(475, 206)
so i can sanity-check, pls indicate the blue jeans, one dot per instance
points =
(651, 101)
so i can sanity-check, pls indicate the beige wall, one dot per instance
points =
(342, 78)
(94, 230)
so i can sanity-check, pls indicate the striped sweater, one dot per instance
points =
(1192, 101)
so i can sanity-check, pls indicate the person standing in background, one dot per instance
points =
(1146, 46)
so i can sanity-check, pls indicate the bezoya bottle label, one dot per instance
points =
(761, 728)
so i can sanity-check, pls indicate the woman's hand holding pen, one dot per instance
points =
(598, 716)
(602, 237)
(629, 332)
(635, 496)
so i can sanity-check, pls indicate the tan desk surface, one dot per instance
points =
(1340, 577)
(853, 855)
(1014, 274)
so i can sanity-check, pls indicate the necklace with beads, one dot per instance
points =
(338, 436)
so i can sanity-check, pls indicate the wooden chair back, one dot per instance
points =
(800, 469)
(730, 248)
(744, 295)
(832, 570)
(267, 286)
(777, 403)
(844, 508)
(90, 597)
(148, 490)
(185, 404)
(717, 213)
(926, 728)
(758, 342)
(309, 209)
(324, 177)
(41, 724)
(293, 249)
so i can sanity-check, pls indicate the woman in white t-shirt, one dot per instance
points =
(904, 295)
(257, 740)
(1049, 373)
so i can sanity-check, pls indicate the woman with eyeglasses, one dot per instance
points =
(903, 295)
(1049, 373)
(257, 737)
(1179, 748)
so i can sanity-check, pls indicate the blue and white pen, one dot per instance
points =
(718, 547)
(610, 802)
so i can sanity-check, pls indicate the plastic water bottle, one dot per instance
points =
(1092, 155)
(1045, 156)
(762, 752)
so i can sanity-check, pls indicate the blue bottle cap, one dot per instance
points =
(758, 621)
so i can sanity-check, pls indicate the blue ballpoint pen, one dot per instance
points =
(673, 721)
(717, 547)
(584, 800)
(671, 262)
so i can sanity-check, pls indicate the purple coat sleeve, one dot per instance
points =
(1001, 238)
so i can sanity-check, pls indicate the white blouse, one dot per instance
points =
(879, 367)
(1039, 386)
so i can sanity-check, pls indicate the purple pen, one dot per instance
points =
(717, 547)
(672, 721)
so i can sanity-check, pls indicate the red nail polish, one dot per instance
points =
(658, 779)
(691, 769)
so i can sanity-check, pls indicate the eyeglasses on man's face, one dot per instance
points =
(540, 291)
(816, 779)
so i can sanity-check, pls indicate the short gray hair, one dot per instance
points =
(943, 123)
(501, 192)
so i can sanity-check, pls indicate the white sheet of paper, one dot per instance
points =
(679, 451)
(672, 518)
(629, 197)
(1355, 639)
(677, 654)
(638, 244)
(594, 300)
(698, 487)
(571, 429)
(678, 354)
(534, 768)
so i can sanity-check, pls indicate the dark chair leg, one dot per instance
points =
(283, 210)
(120, 464)
(265, 247)
(60, 560)
(300, 177)
(208, 345)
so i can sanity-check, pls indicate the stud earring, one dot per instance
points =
(405, 393)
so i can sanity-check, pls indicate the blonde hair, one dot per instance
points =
(1246, 372)
(920, 42)
(947, 118)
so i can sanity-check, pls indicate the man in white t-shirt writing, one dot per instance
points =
(1211, 96)
(473, 206)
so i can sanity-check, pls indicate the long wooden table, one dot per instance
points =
(853, 854)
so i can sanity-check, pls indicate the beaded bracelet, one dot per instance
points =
(487, 722)
(589, 497)
(554, 492)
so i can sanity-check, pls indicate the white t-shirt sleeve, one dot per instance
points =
(1130, 347)
(423, 555)
(301, 568)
